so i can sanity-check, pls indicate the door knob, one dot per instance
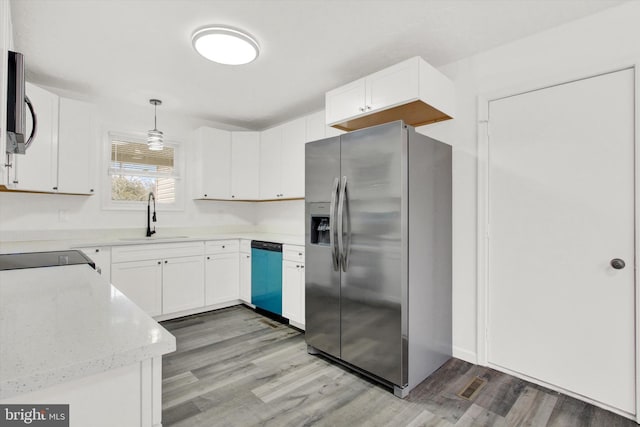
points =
(617, 263)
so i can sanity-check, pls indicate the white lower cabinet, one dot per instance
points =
(222, 272)
(182, 284)
(141, 282)
(293, 285)
(162, 278)
(245, 277)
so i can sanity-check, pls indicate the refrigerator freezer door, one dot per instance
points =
(374, 285)
(322, 277)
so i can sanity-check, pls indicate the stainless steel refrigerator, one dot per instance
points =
(378, 252)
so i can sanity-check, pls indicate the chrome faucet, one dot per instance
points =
(149, 218)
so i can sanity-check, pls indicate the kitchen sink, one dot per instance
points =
(153, 238)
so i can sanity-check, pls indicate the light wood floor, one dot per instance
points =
(234, 367)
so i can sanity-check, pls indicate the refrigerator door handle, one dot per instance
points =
(341, 205)
(346, 216)
(335, 256)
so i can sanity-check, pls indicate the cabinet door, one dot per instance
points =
(222, 278)
(292, 171)
(101, 256)
(245, 277)
(37, 169)
(182, 284)
(270, 158)
(245, 165)
(214, 160)
(345, 101)
(316, 126)
(394, 85)
(76, 140)
(291, 292)
(141, 282)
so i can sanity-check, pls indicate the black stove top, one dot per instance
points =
(43, 259)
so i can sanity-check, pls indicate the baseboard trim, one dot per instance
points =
(466, 355)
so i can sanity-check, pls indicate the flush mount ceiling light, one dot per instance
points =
(154, 136)
(225, 45)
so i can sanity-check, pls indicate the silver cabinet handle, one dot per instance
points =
(332, 225)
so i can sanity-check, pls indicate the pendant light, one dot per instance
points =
(154, 136)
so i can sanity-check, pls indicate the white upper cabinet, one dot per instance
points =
(316, 126)
(213, 160)
(77, 135)
(282, 161)
(392, 86)
(346, 101)
(245, 165)
(412, 91)
(270, 162)
(59, 158)
(226, 164)
(37, 170)
(292, 171)
(267, 165)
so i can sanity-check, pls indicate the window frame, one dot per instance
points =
(134, 205)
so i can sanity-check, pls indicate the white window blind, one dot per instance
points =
(135, 171)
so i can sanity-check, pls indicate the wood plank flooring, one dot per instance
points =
(234, 367)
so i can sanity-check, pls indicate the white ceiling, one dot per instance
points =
(133, 50)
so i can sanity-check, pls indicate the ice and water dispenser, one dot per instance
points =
(319, 227)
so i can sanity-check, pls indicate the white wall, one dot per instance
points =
(281, 217)
(570, 51)
(23, 214)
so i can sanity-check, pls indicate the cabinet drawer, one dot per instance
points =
(245, 245)
(155, 251)
(293, 253)
(221, 246)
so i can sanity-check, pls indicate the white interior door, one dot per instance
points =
(561, 207)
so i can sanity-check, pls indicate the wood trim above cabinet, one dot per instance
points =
(252, 200)
(5, 189)
(416, 113)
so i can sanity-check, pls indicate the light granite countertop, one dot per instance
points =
(118, 239)
(66, 322)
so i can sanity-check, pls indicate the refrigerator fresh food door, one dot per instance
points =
(371, 228)
(322, 277)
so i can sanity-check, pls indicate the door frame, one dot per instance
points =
(483, 228)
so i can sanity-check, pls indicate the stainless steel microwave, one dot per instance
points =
(16, 111)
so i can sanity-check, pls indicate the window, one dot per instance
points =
(135, 171)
